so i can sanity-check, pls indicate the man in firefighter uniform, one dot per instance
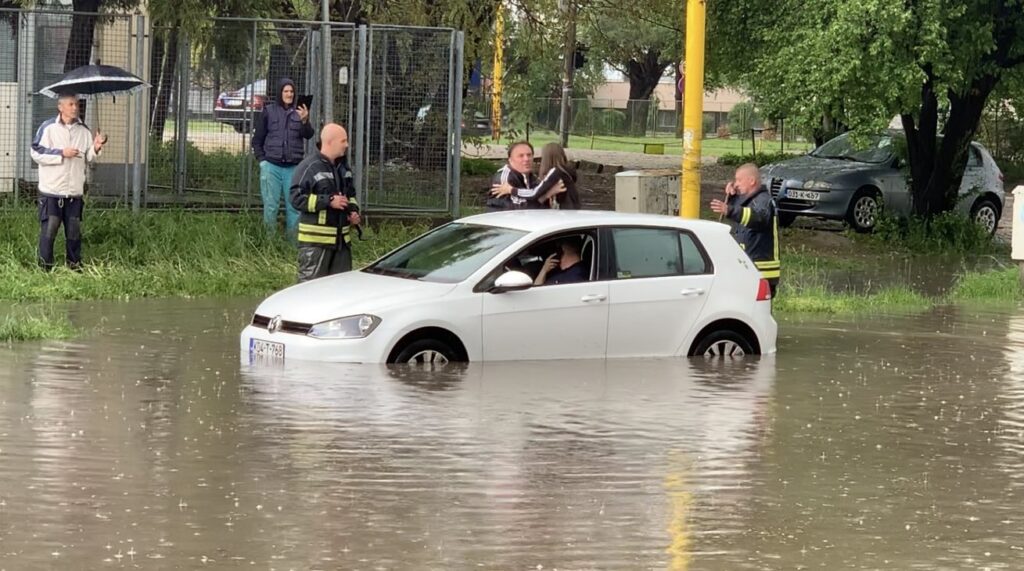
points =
(323, 193)
(751, 208)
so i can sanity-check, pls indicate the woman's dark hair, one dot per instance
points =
(513, 146)
(552, 156)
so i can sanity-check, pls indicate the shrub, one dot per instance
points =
(944, 233)
(761, 159)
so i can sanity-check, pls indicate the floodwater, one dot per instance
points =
(881, 443)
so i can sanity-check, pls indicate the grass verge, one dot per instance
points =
(819, 300)
(999, 286)
(35, 325)
(164, 254)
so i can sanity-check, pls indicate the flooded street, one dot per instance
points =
(866, 443)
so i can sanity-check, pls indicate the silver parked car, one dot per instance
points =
(841, 181)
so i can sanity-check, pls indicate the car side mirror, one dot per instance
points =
(512, 281)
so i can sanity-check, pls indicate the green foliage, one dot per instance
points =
(478, 167)
(742, 118)
(949, 232)
(34, 324)
(819, 300)
(996, 286)
(760, 159)
(219, 169)
(164, 254)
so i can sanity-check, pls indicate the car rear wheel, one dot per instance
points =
(427, 353)
(723, 344)
(986, 214)
(863, 211)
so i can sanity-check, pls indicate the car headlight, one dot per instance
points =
(817, 185)
(352, 327)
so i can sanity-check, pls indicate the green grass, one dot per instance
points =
(201, 126)
(35, 325)
(997, 286)
(673, 146)
(819, 300)
(164, 254)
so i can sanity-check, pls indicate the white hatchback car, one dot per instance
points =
(653, 286)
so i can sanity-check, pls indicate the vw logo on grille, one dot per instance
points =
(274, 324)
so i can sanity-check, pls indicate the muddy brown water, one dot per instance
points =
(893, 442)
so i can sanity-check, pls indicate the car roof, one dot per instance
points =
(554, 220)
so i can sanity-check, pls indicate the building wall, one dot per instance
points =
(615, 94)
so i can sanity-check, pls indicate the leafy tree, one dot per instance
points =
(641, 39)
(933, 63)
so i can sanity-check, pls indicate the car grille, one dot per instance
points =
(262, 321)
(776, 186)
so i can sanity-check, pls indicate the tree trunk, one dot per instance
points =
(644, 75)
(168, 75)
(937, 167)
(83, 27)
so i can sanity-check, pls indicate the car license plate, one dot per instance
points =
(265, 351)
(233, 103)
(803, 195)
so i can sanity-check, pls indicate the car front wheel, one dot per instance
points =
(986, 214)
(723, 344)
(427, 353)
(863, 211)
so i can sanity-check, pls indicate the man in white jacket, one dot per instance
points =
(62, 148)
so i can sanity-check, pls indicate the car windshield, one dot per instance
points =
(878, 149)
(448, 254)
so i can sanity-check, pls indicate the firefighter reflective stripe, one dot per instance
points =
(769, 269)
(314, 229)
(771, 274)
(316, 239)
(322, 217)
(311, 203)
(745, 217)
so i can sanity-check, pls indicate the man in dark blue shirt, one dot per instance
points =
(565, 269)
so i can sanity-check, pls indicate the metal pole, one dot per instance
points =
(325, 51)
(140, 70)
(181, 113)
(499, 44)
(383, 106)
(689, 195)
(456, 191)
(359, 124)
(568, 7)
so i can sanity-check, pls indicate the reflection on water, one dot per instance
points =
(893, 443)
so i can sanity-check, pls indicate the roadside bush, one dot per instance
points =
(742, 118)
(478, 167)
(761, 159)
(948, 232)
(610, 121)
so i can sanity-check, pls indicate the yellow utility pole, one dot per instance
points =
(499, 49)
(693, 114)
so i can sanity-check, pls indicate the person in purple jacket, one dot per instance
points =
(279, 144)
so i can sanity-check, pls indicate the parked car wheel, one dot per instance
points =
(242, 127)
(863, 212)
(786, 219)
(722, 344)
(427, 352)
(986, 213)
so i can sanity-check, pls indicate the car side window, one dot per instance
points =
(694, 262)
(646, 253)
(974, 158)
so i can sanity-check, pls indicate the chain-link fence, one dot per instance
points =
(396, 89)
(413, 105)
(36, 49)
(1002, 133)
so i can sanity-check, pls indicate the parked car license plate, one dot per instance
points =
(803, 195)
(265, 351)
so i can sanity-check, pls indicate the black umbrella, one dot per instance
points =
(94, 80)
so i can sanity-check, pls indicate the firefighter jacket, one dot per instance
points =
(756, 228)
(315, 181)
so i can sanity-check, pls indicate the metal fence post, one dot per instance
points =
(140, 68)
(359, 125)
(455, 191)
(181, 115)
(325, 53)
(26, 75)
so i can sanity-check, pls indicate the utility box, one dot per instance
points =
(654, 191)
(1017, 223)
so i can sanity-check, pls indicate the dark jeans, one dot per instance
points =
(52, 213)
(774, 285)
(319, 261)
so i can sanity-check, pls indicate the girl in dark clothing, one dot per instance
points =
(555, 169)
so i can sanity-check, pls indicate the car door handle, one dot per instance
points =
(594, 297)
(692, 292)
